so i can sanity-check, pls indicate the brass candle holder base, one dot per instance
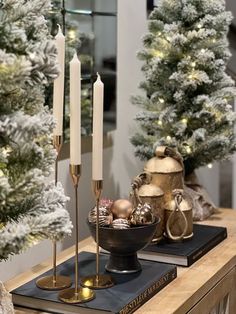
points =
(99, 281)
(80, 296)
(53, 284)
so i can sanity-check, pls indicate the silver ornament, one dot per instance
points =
(120, 223)
(142, 215)
(105, 216)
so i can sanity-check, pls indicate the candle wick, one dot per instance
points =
(98, 76)
(75, 54)
(59, 28)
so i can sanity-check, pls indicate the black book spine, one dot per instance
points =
(196, 255)
(149, 292)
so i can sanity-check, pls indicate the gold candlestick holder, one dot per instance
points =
(55, 282)
(98, 280)
(76, 294)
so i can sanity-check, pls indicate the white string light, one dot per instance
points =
(32, 55)
(159, 122)
(188, 150)
(72, 34)
(168, 138)
(210, 166)
(158, 53)
(5, 151)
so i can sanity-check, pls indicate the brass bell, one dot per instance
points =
(166, 170)
(178, 217)
(146, 192)
(153, 195)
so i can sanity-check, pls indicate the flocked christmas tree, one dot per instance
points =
(30, 208)
(188, 93)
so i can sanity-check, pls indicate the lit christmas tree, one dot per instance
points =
(188, 93)
(31, 208)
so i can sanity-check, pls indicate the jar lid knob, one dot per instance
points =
(165, 151)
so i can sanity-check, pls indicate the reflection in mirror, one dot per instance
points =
(151, 4)
(90, 27)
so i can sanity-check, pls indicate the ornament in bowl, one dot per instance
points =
(105, 215)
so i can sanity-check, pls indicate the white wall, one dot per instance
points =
(231, 5)
(20, 263)
(210, 180)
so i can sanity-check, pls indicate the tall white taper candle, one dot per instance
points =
(97, 154)
(75, 111)
(58, 87)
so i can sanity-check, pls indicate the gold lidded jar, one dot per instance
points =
(153, 195)
(166, 170)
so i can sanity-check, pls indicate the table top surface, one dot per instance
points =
(181, 294)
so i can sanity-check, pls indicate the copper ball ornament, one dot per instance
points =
(122, 208)
(105, 216)
(142, 215)
(120, 223)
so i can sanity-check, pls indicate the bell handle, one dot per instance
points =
(178, 199)
(143, 178)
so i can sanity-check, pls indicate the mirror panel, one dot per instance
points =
(91, 30)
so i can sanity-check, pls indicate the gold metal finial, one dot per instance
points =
(97, 189)
(75, 172)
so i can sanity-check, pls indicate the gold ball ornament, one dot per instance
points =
(142, 215)
(120, 223)
(122, 208)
